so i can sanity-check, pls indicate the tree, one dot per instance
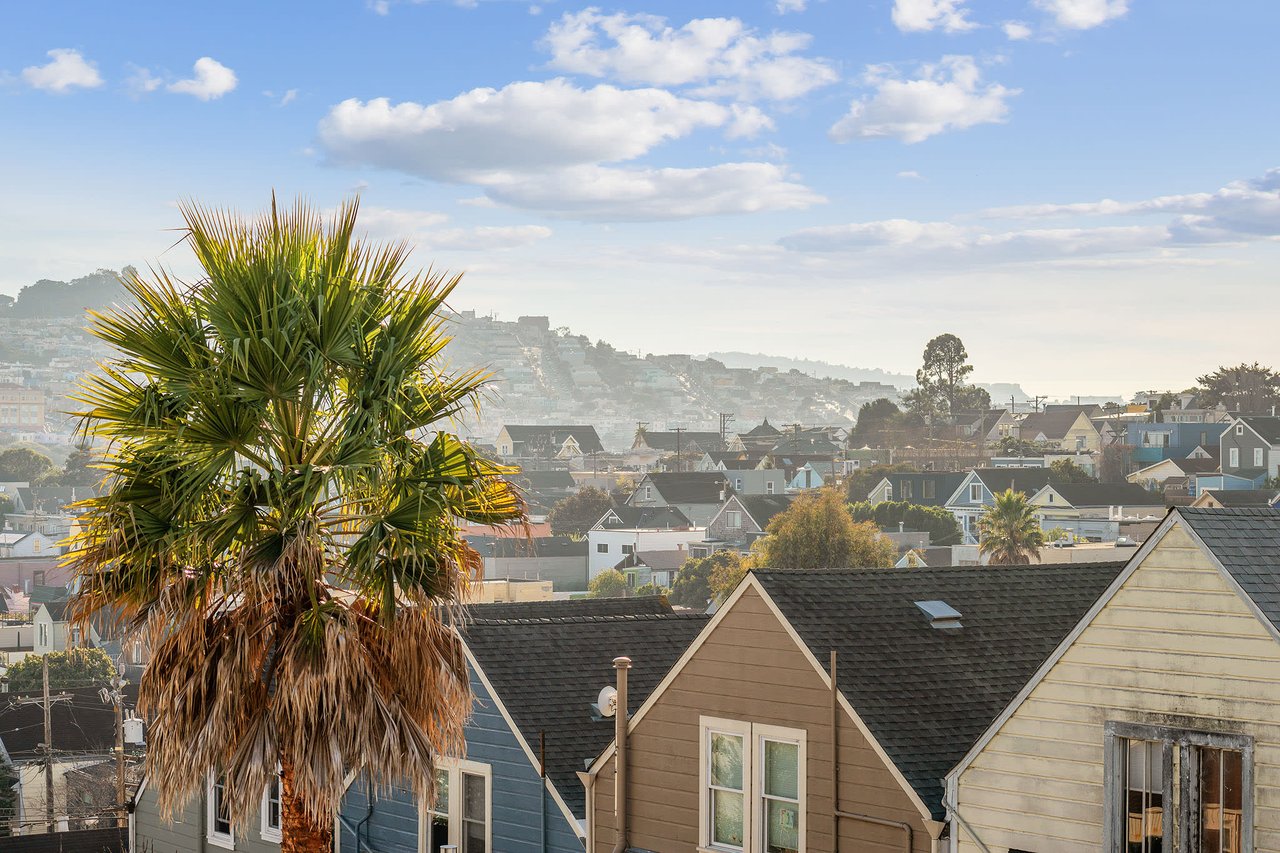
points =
(818, 532)
(1009, 531)
(72, 668)
(727, 573)
(1248, 389)
(650, 589)
(860, 483)
(280, 514)
(1067, 471)
(942, 527)
(22, 464)
(578, 513)
(692, 587)
(78, 470)
(876, 424)
(610, 583)
(1010, 445)
(942, 377)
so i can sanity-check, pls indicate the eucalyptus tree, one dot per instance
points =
(280, 513)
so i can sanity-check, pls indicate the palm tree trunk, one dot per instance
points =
(299, 833)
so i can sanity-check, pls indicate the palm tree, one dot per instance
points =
(1010, 531)
(279, 515)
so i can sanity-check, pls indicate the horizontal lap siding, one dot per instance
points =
(185, 832)
(1175, 640)
(750, 669)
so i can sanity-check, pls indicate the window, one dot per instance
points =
(648, 493)
(768, 487)
(906, 490)
(602, 548)
(1234, 457)
(753, 793)
(1239, 429)
(137, 652)
(44, 633)
(628, 549)
(219, 818)
(37, 578)
(975, 493)
(737, 484)
(733, 520)
(1167, 786)
(460, 813)
(1155, 439)
(1257, 457)
(928, 489)
(271, 811)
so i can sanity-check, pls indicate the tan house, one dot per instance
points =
(733, 750)
(1155, 726)
(1067, 428)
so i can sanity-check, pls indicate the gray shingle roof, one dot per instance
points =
(690, 487)
(928, 694)
(1268, 428)
(1026, 480)
(548, 672)
(645, 604)
(1244, 497)
(764, 507)
(553, 436)
(1246, 540)
(646, 517)
(1107, 494)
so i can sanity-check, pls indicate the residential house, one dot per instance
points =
(759, 439)
(492, 591)
(625, 530)
(1236, 498)
(741, 521)
(1155, 474)
(203, 824)
(979, 487)
(856, 458)
(1155, 724)
(724, 460)
(813, 475)
(533, 441)
(536, 672)
(26, 543)
(686, 445)
(1066, 428)
(543, 489)
(53, 631)
(758, 481)
(1096, 512)
(732, 750)
(697, 494)
(930, 488)
(653, 567)
(560, 559)
(1250, 448)
(1152, 442)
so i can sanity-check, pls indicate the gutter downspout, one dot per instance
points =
(949, 803)
(621, 664)
(542, 790)
(588, 781)
(836, 813)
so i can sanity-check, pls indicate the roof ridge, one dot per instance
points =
(586, 618)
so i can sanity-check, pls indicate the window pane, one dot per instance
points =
(441, 803)
(472, 837)
(782, 827)
(1221, 800)
(1143, 798)
(781, 773)
(726, 761)
(726, 818)
(472, 797)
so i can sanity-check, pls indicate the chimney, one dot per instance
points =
(621, 664)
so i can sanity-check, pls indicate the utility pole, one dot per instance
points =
(115, 696)
(678, 431)
(726, 418)
(47, 747)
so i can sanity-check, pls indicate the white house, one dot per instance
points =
(626, 530)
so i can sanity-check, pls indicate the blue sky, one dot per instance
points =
(1083, 190)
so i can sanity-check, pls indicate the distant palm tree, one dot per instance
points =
(280, 514)
(1009, 531)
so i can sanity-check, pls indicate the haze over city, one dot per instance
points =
(1083, 190)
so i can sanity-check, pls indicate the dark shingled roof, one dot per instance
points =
(764, 507)
(1246, 540)
(1053, 424)
(645, 517)
(654, 605)
(554, 436)
(1107, 494)
(765, 429)
(925, 693)
(1268, 428)
(549, 671)
(1244, 497)
(1026, 480)
(82, 724)
(518, 546)
(57, 609)
(686, 440)
(689, 487)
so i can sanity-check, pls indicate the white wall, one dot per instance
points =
(643, 540)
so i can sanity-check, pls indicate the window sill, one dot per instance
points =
(271, 835)
(223, 841)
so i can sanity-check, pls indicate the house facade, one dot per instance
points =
(923, 489)
(202, 826)
(977, 491)
(1250, 448)
(1152, 442)
(1155, 725)
(562, 441)
(696, 494)
(1095, 511)
(625, 530)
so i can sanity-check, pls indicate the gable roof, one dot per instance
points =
(1025, 480)
(1267, 427)
(518, 546)
(555, 434)
(764, 507)
(57, 609)
(764, 429)
(1107, 494)
(598, 607)
(662, 561)
(927, 694)
(1246, 541)
(1053, 425)
(686, 439)
(945, 485)
(1244, 497)
(689, 487)
(644, 518)
(548, 671)
(539, 481)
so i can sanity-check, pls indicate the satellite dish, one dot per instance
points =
(607, 702)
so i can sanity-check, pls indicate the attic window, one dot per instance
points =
(941, 614)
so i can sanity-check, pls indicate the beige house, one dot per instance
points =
(1067, 428)
(733, 750)
(1155, 726)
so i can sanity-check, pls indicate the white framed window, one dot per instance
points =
(462, 812)
(270, 829)
(44, 633)
(218, 820)
(753, 787)
(1257, 457)
(737, 484)
(628, 549)
(975, 493)
(906, 490)
(768, 487)
(1233, 457)
(602, 547)
(733, 519)
(648, 493)
(1239, 429)
(137, 652)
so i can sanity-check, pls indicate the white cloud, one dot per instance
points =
(1083, 14)
(722, 56)
(912, 175)
(914, 16)
(288, 97)
(212, 80)
(1016, 30)
(783, 7)
(487, 237)
(638, 194)
(487, 134)
(142, 81)
(948, 95)
(66, 70)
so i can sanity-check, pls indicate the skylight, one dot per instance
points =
(941, 614)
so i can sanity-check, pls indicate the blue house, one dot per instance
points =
(536, 669)
(977, 491)
(1152, 443)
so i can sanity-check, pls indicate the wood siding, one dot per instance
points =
(186, 832)
(749, 669)
(1176, 642)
